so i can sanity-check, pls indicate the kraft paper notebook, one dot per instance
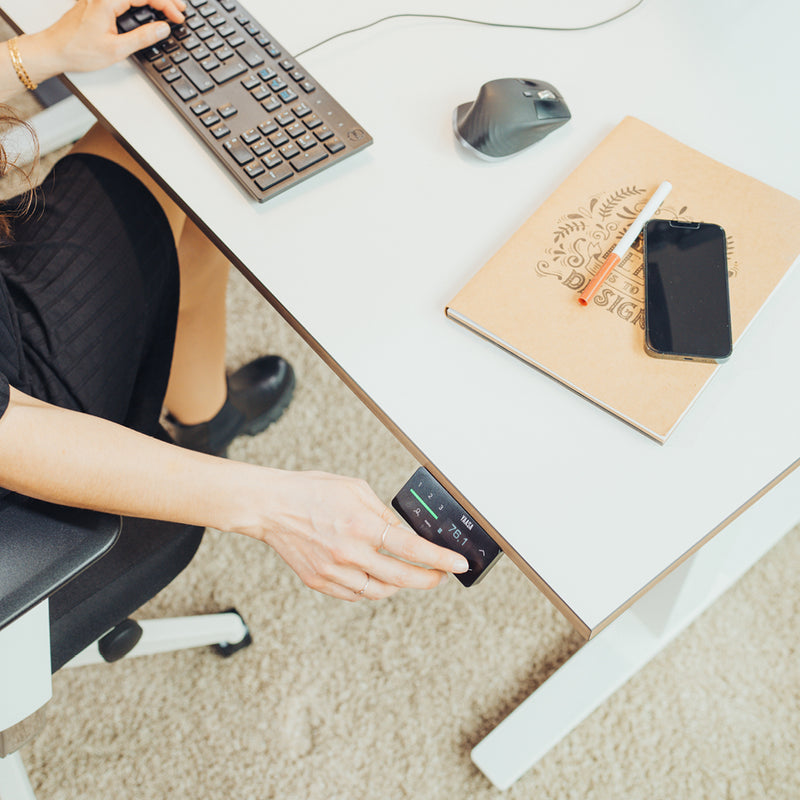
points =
(526, 297)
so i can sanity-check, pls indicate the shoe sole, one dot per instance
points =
(261, 423)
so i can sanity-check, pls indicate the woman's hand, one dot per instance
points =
(86, 37)
(343, 541)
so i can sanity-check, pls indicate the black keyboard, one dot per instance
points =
(259, 111)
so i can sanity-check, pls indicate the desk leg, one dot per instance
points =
(617, 653)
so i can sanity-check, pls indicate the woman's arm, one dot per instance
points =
(85, 38)
(329, 529)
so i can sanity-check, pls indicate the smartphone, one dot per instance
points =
(687, 304)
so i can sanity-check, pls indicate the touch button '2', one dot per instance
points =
(433, 513)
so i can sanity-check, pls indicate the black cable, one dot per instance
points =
(471, 22)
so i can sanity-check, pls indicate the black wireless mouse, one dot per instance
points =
(509, 115)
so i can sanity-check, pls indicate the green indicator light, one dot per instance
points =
(425, 504)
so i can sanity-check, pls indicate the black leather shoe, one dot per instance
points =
(258, 394)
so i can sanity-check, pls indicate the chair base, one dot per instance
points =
(226, 629)
(14, 783)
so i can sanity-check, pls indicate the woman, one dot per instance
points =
(97, 333)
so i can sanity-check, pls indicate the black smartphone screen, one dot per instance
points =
(687, 306)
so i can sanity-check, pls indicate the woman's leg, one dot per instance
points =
(197, 387)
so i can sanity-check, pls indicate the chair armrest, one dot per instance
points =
(43, 546)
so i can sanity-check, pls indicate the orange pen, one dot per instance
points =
(628, 238)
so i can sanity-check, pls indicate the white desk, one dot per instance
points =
(362, 260)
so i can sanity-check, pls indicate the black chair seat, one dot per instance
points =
(147, 556)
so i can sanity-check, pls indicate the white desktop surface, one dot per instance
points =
(365, 256)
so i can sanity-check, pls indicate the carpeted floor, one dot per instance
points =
(385, 700)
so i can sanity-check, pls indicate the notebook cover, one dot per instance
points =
(526, 297)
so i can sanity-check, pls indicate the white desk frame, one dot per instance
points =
(364, 258)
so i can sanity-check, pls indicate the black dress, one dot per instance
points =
(89, 296)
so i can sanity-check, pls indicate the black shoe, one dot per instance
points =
(258, 394)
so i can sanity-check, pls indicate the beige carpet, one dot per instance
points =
(386, 700)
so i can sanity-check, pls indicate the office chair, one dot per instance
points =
(83, 574)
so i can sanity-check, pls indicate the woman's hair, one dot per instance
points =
(8, 121)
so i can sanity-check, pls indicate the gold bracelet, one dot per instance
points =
(19, 68)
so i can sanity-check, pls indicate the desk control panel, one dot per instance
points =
(436, 516)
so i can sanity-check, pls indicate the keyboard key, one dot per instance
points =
(228, 71)
(306, 141)
(251, 56)
(273, 104)
(295, 129)
(235, 41)
(254, 170)
(261, 148)
(307, 87)
(261, 93)
(268, 127)
(271, 160)
(220, 131)
(248, 137)
(171, 75)
(278, 139)
(334, 145)
(273, 50)
(308, 159)
(197, 75)
(250, 82)
(184, 89)
(227, 110)
(284, 118)
(322, 133)
(274, 177)
(200, 108)
(287, 95)
(240, 153)
(267, 73)
(210, 119)
(289, 150)
(312, 122)
(301, 109)
(224, 53)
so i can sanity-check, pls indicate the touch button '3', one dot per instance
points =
(433, 513)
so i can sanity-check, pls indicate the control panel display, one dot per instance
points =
(435, 515)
